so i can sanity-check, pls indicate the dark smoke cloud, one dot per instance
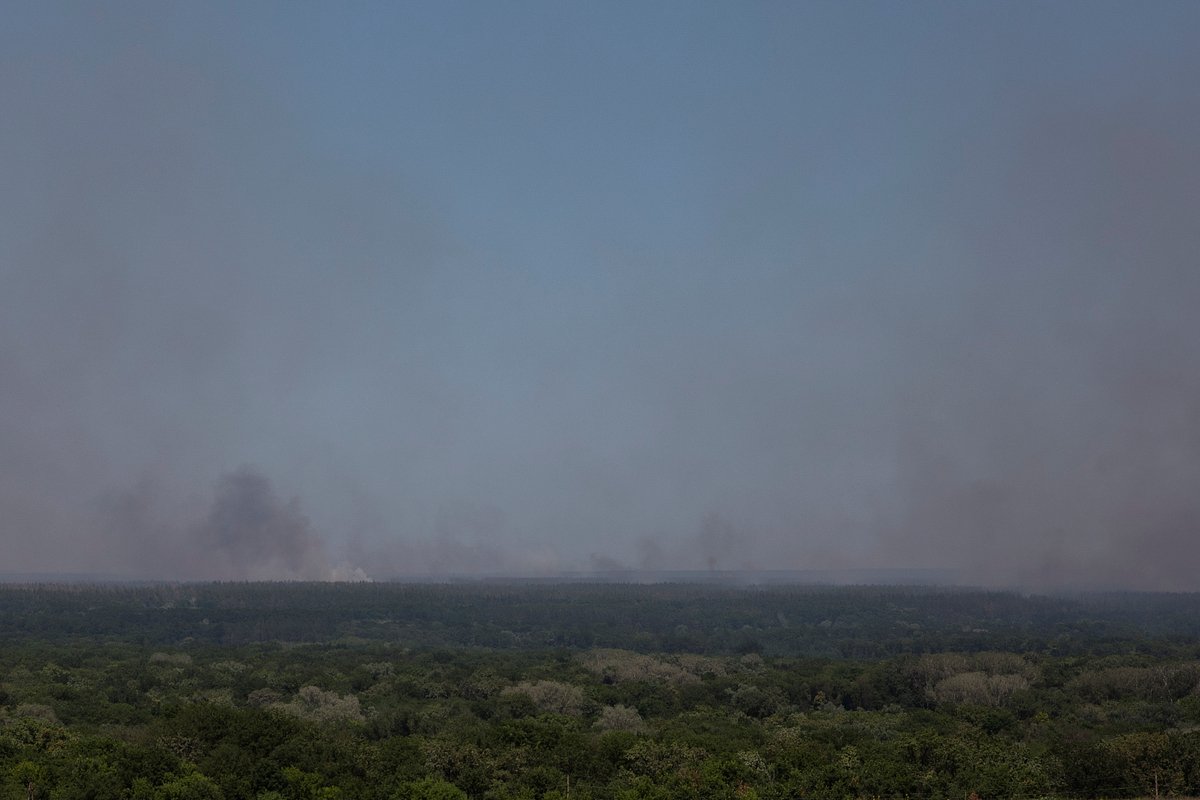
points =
(247, 532)
(250, 533)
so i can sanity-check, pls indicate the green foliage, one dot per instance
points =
(507, 692)
(429, 789)
(192, 786)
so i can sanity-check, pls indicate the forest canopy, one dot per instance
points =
(497, 691)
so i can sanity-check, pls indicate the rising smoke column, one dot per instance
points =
(251, 533)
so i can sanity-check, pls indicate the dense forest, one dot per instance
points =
(481, 690)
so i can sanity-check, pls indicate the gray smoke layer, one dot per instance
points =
(1052, 432)
(248, 532)
(733, 304)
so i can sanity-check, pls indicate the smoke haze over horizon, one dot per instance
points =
(311, 292)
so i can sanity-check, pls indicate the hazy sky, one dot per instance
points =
(288, 288)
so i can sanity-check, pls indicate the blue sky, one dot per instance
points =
(542, 286)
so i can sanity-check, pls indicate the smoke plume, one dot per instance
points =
(251, 534)
(813, 286)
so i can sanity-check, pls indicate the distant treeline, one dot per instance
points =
(864, 622)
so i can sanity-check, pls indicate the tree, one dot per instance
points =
(31, 776)
(429, 789)
(192, 786)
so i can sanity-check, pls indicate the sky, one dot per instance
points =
(344, 290)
